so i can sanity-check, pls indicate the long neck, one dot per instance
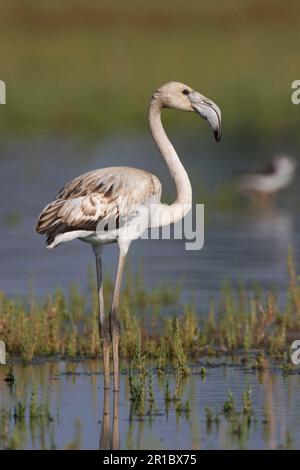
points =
(182, 205)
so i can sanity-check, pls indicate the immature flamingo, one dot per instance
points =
(117, 204)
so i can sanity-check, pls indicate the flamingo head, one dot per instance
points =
(176, 95)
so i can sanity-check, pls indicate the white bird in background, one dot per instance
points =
(262, 186)
(117, 204)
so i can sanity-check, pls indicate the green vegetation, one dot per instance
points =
(240, 421)
(229, 405)
(10, 376)
(137, 380)
(183, 408)
(247, 402)
(89, 67)
(17, 416)
(154, 325)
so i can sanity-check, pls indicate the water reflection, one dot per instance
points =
(110, 440)
(276, 225)
(69, 419)
(105, 429)
(115, 428)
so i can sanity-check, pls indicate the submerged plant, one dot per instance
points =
(180, 361)
(247, 402)
(168, 397)
(259, 362)
(38, 409)
(20, 411)
(162, 357)
(137, 377)
(287, 368)
(229, 405)
(151, 396)
(10, 376)
(183, 408)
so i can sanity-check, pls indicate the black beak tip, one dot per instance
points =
(217, 135)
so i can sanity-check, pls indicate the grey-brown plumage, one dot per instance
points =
(105, 195)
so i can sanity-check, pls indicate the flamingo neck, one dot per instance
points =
(183, 203)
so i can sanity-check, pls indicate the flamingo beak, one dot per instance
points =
(208, 110)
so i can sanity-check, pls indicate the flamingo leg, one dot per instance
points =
(103, 326)
(104, 443)
(114, 320)
(115, 444)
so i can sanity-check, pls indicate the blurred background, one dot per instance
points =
(79, 77)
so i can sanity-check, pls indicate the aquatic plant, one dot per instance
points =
(259, 361)
(151, 397)
(229, 405)
(183, 408)
(63, 325)
(168, 397)
(10, 376)
(152, 409)
(137, 377)
(180, 362)
(20, 410)
(287, 367)
(38, 410)
(163, 356)
(247, 402)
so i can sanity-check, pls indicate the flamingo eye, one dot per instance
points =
(185, 91)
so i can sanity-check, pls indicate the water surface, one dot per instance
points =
(77, 404)
(239, 246)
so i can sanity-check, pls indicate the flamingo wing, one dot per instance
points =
(109, 195)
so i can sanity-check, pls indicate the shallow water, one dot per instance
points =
(237, 246)
(77, 403)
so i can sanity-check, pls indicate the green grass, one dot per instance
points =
(155, 325)
(86, 68)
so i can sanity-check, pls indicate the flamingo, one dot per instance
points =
(118, 204)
